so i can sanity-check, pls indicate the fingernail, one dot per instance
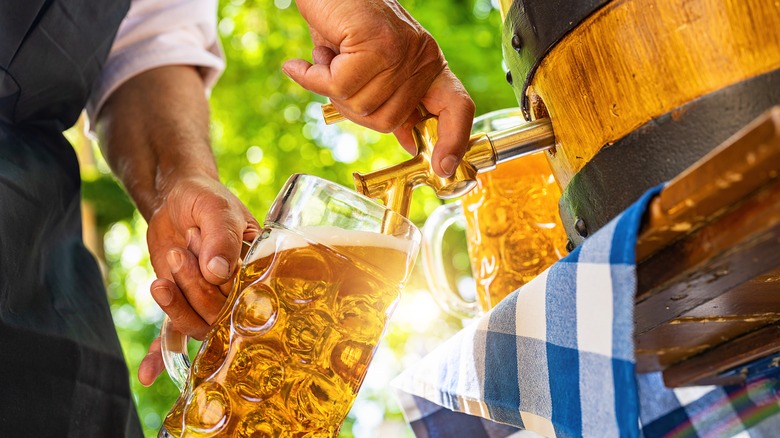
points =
(174, 260)
(162, 295)
(448, 164)
(219, 267)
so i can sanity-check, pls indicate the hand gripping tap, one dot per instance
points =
(394, 185)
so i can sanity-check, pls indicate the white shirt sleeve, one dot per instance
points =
(156, 33)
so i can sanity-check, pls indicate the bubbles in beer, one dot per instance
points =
(212, 353)
(306, 329)
(497, 217)
(256, 372)
(358, 285)
(255, 311)
(317, 396)
(267, 421)
(366, 287)
(358, 319)
(502, 285)
(514, 229)
(520, 254)
(302, 276)
(350, 359)
(208, 410)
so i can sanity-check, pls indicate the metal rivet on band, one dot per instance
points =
(509, 77)
(517, 42)
(580, 227)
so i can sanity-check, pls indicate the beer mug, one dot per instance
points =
(289, 351)
(513, 229)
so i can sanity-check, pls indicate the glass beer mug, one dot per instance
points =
(291, 347)
(513, 229)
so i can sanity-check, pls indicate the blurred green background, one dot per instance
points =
(264, 128)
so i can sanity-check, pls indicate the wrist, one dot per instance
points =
(184, 175)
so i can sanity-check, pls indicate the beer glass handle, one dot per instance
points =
(174, 353)
(433, 261)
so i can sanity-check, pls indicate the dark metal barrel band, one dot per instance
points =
(659, 150)
(531, 29)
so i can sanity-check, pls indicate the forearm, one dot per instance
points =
(154, 130)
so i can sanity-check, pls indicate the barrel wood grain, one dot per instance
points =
(634, 60)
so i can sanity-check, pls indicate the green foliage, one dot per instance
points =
(265, 128)
(108, 198)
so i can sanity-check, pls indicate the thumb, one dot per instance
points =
(454, 129)
(447, 98)
(221, 235)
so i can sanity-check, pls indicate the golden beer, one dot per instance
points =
(513, 228)
(289, 351)
(288, 357)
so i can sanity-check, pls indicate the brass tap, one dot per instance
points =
(394, 185)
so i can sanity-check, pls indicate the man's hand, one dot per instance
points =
(195, 240)
(377, 64)
(154, 134)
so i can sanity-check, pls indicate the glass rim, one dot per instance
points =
(382, 211)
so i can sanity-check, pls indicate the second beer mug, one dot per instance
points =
(513, 229)
(289, 351)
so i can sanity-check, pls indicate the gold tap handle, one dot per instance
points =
(394, 185)
(331, 114)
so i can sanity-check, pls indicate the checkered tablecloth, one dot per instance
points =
(556, 358)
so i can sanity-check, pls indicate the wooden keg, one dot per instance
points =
(637, 90)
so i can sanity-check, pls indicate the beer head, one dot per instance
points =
(390, 257)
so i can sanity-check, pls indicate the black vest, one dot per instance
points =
(61, 364)
(51, 51)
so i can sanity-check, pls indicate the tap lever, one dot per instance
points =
(394, 185)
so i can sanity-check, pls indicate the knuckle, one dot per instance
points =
(199, 333)
(234, 237)
(179, 319)
(394, 43)
(468, 105)
(398, 119)
(386, 125)
(364, 109)
(430, 50)
(339, 91)
(218, 203)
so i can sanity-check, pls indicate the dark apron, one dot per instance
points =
(61, 365)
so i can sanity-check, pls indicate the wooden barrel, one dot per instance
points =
(637, 90)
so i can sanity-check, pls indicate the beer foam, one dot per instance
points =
(328, 235)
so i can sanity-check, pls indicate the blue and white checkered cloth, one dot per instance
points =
(556, 357)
